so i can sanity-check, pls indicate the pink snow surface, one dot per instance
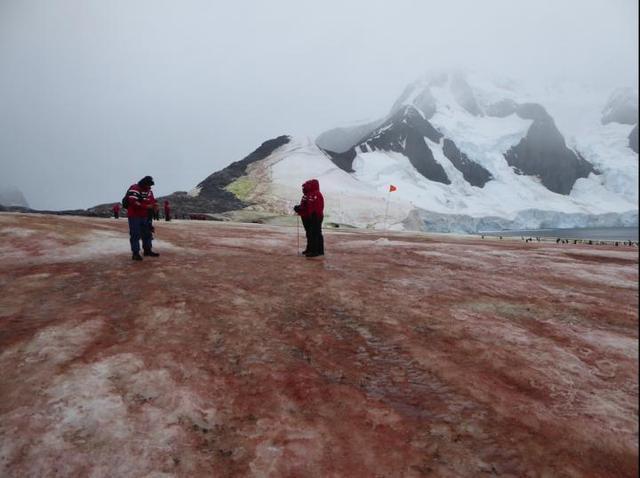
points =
(229, 355)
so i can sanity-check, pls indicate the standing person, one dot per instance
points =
(116, 210)
(311, 210)
(167, 211)
(140, 206)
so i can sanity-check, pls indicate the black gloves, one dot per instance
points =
(296, 208)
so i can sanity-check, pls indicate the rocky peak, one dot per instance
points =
(543, 153)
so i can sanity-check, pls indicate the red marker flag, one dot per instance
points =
(392, 188)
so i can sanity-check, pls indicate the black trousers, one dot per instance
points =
(315, 241)
(306, 223)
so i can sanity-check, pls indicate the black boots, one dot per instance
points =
(138, 257)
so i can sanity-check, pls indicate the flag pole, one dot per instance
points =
(386, 210)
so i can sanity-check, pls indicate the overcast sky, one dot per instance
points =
(95, 94)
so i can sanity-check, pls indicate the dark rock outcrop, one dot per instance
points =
(213, 184)
(543, 153)
(473, 173)
(633, 139)
(213, 197)
(622, 107)
(344, 160)
(405, 133)
(421, 157)
(391, 131)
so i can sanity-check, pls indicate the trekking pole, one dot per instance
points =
(298, 235)
(386, 211)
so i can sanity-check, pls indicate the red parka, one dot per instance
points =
(139, 197)
(312, 201)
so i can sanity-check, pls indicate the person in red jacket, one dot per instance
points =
(116, 210)
(311, 210)
(167, 211)
(140, 202)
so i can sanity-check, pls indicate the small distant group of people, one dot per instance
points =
(142, 208)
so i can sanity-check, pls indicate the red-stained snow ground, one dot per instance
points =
(398, 356)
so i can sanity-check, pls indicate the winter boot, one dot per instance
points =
(150, 253)
(136, 257)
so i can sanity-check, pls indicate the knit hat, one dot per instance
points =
(146, 181)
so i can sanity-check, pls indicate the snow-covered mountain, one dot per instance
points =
(466, 153)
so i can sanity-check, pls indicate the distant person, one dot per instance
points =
(311, 210)
(140, 207)
(167, 211)
(116, 210)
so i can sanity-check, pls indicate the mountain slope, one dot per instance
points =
(461, 151)
(466, 153)
(543, 153)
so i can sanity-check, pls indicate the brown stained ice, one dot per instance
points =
(229, 355)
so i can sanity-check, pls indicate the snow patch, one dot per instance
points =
(17, 232)
(195, 192)
(102, 243)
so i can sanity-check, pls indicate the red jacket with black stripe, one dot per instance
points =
(312, 200)
(139, 199)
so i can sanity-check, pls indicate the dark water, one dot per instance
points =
(595, 233)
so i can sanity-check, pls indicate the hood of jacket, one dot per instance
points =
(311, 186)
